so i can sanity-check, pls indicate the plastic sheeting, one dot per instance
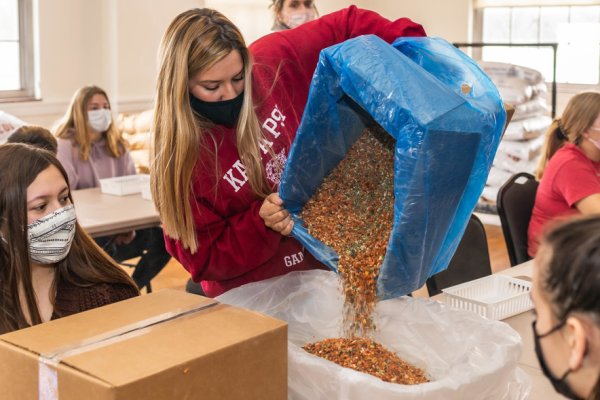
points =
(466, 356)
(447, 118)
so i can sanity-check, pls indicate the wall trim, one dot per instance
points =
(28, 109)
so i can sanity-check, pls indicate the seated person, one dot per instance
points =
(288, 14)
(47, 273)
(36, 136)
(569, 169)
(566, 295)
(90, 148)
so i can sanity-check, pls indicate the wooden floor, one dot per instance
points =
(175, 276)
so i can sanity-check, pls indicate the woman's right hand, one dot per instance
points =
(275, 216)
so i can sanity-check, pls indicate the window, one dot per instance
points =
(576, 29)
(16, 50)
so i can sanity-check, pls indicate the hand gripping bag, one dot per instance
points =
(447, 118)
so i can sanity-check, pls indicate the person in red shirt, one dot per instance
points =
(224, 121)
(569, 170)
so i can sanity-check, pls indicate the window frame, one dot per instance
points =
(27, 91)
(478, 28)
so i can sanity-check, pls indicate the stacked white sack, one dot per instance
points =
(525, 89)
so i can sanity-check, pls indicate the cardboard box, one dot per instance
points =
(165, 345)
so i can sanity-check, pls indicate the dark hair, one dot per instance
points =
(572, 277)
(36, 136)
(85, 265)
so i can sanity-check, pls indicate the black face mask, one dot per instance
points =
(220, 112)
(559, 384)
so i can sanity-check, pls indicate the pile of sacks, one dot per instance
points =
(525, 89)
(136, 129)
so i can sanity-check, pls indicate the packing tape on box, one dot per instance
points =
(48, 362)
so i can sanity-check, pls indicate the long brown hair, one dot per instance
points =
(579, 115)
(85, 265)
(195, 41)
(75, 125)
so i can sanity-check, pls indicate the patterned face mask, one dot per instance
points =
(50, 237)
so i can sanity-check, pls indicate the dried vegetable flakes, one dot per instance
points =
(368, 356)
(352, 212)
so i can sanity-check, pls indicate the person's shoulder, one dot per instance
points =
(66, 147)
(63, 142)
(66, 139)
(73, 298)
(113, 292)
(273, 45)
(568, 153)
(566, 161)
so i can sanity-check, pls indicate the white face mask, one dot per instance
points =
(50, 237)
(297, 18)
(100, 120)
(594, 142)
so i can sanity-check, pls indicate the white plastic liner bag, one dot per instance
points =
(466, 356)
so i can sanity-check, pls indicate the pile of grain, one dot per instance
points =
(367, 356)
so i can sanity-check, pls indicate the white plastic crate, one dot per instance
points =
(146, 192)
(494, 297)
(122, 185)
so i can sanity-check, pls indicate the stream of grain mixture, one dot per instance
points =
(352, 212)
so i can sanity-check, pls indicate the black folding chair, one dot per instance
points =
(515, 203)
(470, 261)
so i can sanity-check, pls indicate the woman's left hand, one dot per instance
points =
(275, 216)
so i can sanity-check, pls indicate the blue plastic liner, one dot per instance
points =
(447, 118)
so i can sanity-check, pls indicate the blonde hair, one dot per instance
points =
(579, 115)
(75, 125)
(195, 41)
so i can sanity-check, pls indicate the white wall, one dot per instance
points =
(109, 43)
(448, 19)
(114, 44)
(451, 19)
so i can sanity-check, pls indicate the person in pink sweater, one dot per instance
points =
(224, 121)
(90, 147)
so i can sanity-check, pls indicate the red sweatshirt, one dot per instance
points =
(235, 246)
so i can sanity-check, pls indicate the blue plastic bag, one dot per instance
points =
(447, 118)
